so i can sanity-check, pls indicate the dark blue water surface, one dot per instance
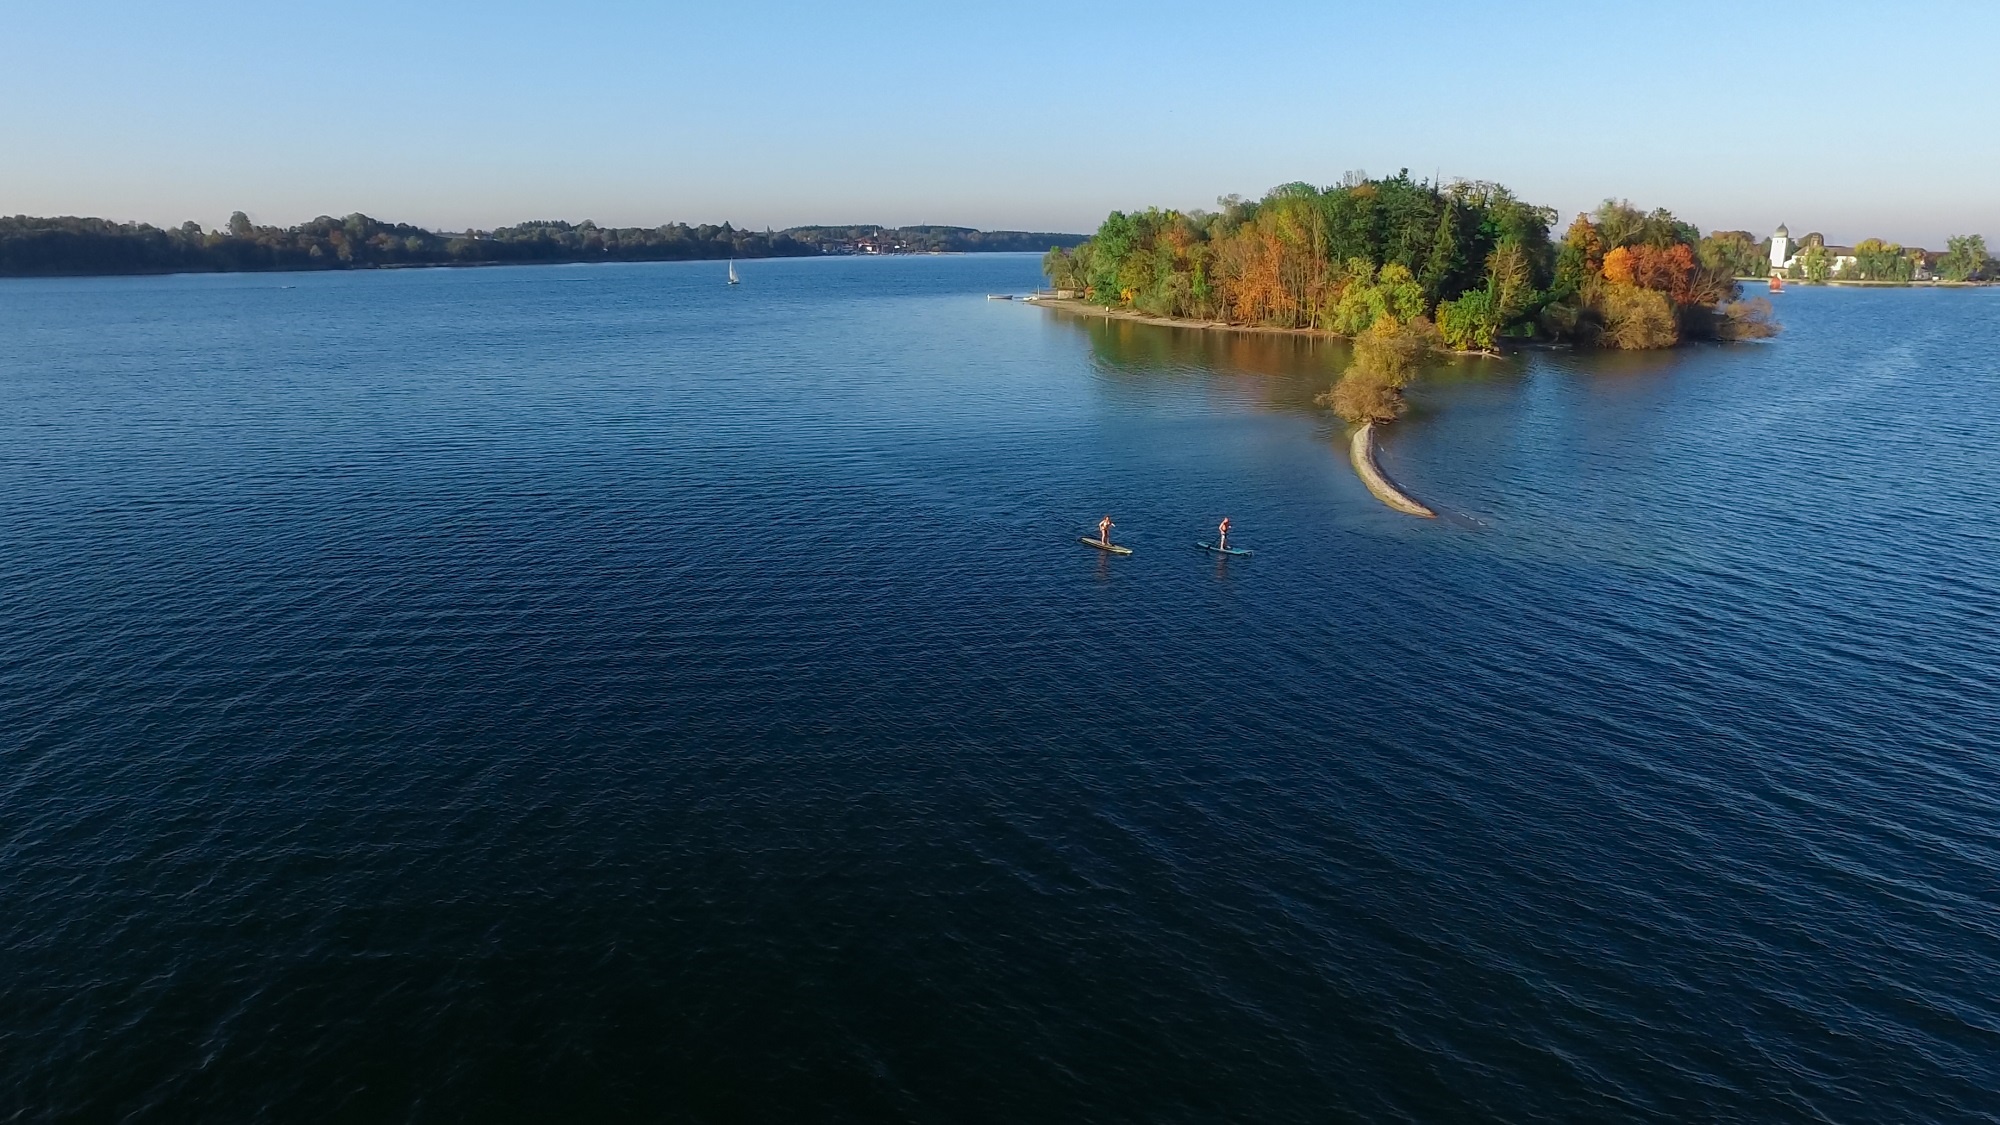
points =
(598, 694)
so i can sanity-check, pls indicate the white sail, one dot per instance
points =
(732, 271)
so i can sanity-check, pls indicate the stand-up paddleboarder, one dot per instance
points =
(1222, 534)
(1104, 527)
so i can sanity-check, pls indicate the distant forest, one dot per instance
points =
(71, 246)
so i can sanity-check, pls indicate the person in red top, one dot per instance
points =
(1222, 534)
(1104, 527)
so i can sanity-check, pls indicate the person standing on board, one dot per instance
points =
(1104, 527)
(1222, 534)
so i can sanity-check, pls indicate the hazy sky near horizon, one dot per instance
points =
(1855, 119)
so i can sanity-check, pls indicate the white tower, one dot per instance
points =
(1781, 247)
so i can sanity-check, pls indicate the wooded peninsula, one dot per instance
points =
(1408, 267)
(32, 246)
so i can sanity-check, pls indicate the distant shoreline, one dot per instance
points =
(1940, 284)
(1832, 283)
(81, 246)
(374, 267)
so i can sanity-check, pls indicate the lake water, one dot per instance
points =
(597, 694)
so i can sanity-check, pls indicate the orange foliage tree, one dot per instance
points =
(1668, 270)
(1663, 269)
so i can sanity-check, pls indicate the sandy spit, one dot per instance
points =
(1362, 452)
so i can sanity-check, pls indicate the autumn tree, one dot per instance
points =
(1386, 358)
(1635, 319)
(1665, 269)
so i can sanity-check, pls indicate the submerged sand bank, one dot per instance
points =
(1362, 452)
(1085, 308)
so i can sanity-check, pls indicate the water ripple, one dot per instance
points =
(560, 693)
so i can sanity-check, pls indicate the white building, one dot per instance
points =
(1841, 261)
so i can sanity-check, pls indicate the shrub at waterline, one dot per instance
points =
(1386, 357)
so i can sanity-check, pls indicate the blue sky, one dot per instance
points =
(1853, 119)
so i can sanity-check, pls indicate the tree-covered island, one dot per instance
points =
(31, 246)
(1406, 267)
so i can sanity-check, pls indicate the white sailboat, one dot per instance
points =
(732, 271)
